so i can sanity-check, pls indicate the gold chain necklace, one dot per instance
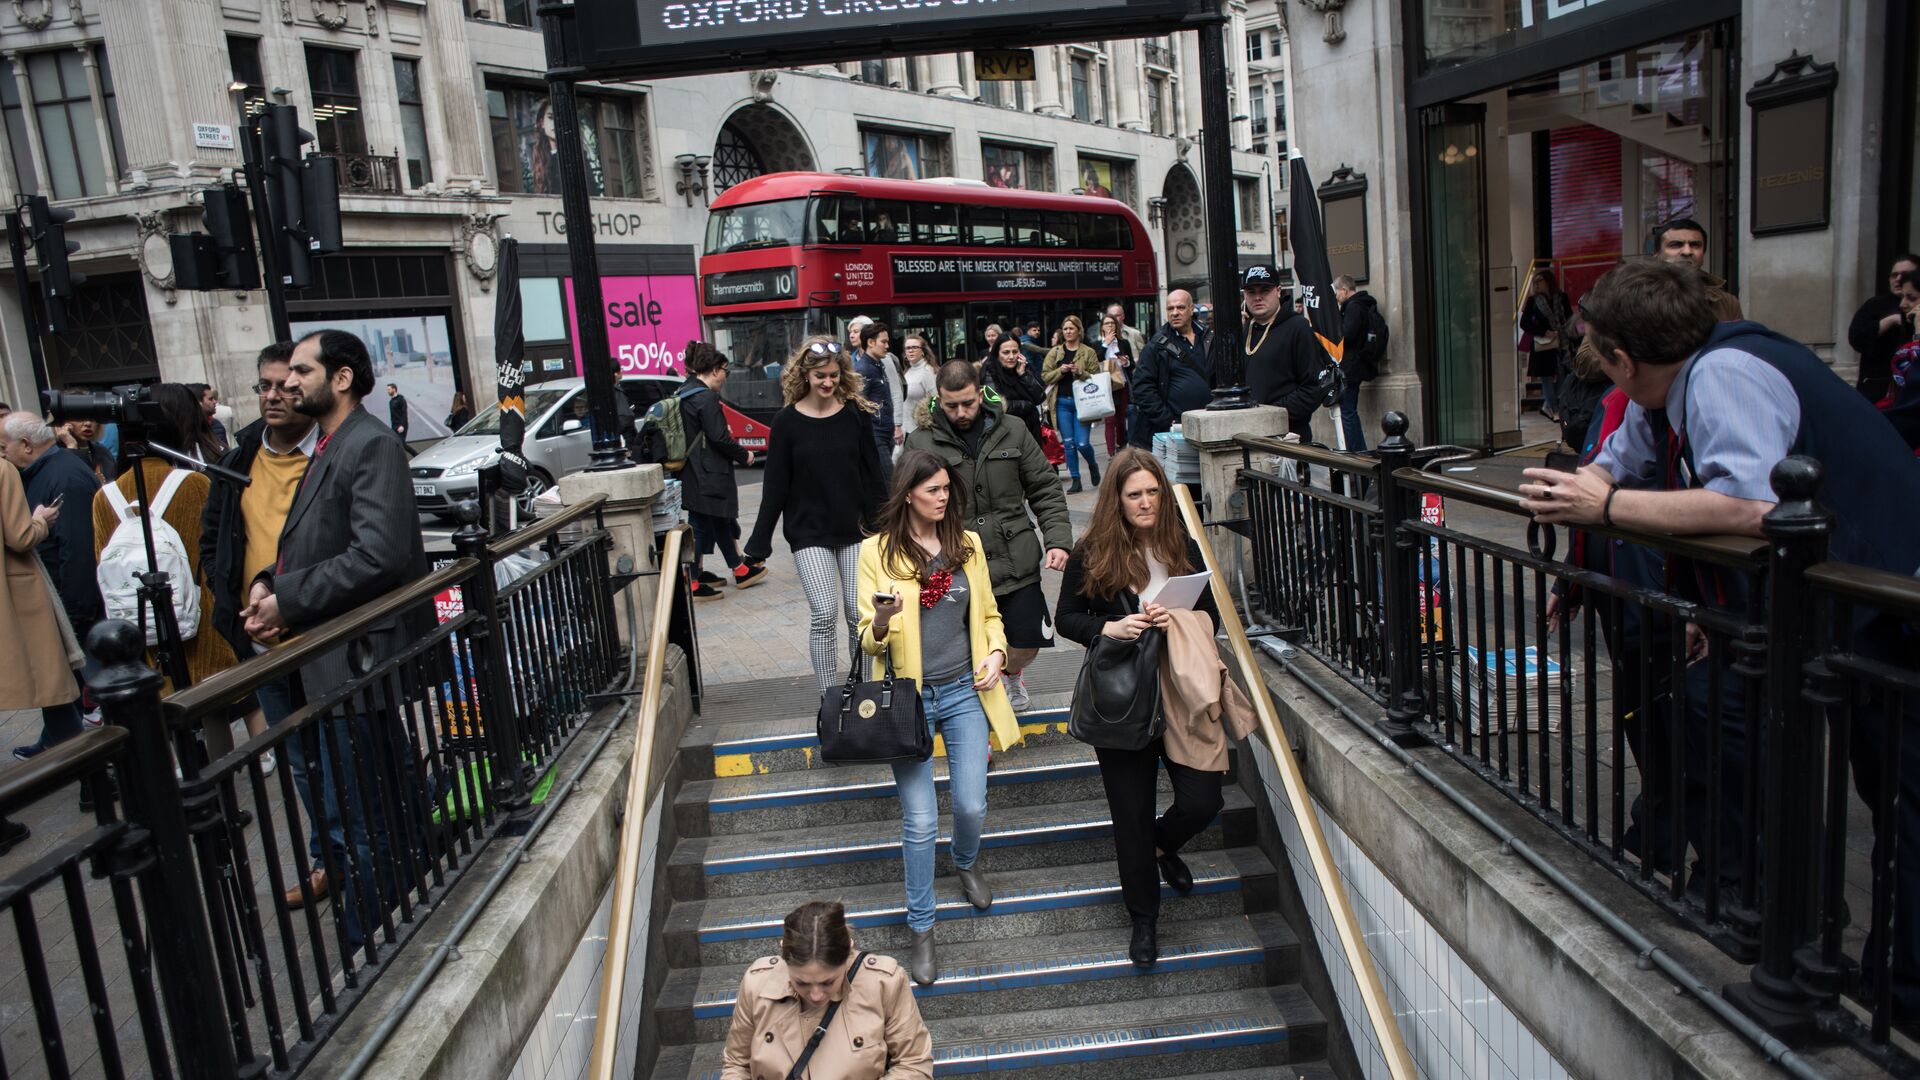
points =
(1254, 346)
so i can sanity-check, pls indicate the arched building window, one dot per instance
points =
(734, 159)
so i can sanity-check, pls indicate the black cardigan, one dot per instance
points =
(1080, 618)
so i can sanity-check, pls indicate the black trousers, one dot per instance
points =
(1130, 777)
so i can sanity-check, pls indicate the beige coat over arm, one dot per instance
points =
(33, 654)
(876, 1035)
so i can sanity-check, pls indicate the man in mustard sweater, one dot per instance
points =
(240, 536)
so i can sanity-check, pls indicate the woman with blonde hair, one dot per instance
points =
(1066, 364)
(927, 607)
(819, 1009)
(823, 477)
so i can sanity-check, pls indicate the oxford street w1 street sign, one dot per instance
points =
(643, 38)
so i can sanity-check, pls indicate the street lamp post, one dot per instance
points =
(1216, 156)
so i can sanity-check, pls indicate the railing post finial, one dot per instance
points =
(1406, 702)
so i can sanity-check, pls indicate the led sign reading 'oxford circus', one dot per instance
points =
(653, 37)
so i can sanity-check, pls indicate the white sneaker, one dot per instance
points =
(267, 762)
(1017, 693)
(92, 720)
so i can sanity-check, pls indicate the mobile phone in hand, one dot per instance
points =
(880, 598)
(1563, 461)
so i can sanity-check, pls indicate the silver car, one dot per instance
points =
(557, 441)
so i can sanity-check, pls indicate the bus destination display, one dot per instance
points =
(1001, 273)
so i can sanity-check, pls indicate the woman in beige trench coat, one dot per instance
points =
(876, 1033)
(34, 673)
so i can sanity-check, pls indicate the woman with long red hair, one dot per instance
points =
(1133, 545)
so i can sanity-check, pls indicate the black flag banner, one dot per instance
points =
(1312, 273)
(509, 346)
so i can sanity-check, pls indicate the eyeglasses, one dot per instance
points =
(824, 348)
(264, 387)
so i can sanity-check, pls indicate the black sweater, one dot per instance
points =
(1286, 367)
(1080, 618)
(823, 476)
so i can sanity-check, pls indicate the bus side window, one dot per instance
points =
(825, 226)
(935, 223)
(986, 225)
(1060, 230)
(886, 222)
(1023, 228)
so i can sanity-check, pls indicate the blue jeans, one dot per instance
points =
(953, 710)
(276, 704)
(357, 855)
(1350, 419)
(1074, 435)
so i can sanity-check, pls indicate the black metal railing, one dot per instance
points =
(387, 786)
(1682, 709)
(369, 174)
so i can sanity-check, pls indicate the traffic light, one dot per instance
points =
(47, 228)
(306, 194)
(223, 256)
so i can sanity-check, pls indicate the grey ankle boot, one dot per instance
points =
(973, 885)
(920, 963)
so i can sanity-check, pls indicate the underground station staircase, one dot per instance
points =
(1040, 985)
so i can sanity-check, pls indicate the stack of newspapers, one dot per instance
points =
(1177, 456)
(1521, 673)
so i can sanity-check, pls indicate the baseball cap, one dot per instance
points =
(1260, 275)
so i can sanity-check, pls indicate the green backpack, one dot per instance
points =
(665, 431)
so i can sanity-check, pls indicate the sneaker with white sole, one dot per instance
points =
(1017, 693)
(267, 762)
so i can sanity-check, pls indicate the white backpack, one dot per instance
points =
(125, 558)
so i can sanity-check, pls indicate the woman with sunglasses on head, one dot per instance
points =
(823, 477)
(927, 607)
(874, 1031)
(1133, 545)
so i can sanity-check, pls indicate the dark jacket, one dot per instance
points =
(223, 543)
(1357, 359)
(1009, 475)
(706, 484)
(1876, 347)
(458, 419)
(397, 414)
(352, 535)
(1021, 396)
(1170, 378)
(1286, 369)
(875, 388)
(67, 552)
(1081, 618)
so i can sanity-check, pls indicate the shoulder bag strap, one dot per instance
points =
(800, 1067)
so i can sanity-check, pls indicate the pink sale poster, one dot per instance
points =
(650, 319)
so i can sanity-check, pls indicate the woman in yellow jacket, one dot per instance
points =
(926, 603)
(1066, 364)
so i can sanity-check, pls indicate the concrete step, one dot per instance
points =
(1024, 974)
(720, 747)
(735, 805)
(1264, 1028)
(834, 856)
(1045, 900)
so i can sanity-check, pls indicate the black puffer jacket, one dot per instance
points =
(1170, 378)
(1021, 396)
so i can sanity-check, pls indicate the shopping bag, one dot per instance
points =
(1093, 397)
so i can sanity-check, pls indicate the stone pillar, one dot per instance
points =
(1211, 432)
(171, 69)
(943, 75)
(1129, 65)
(90, 61)
(630, 496)
(35, 147)
(1046, 81)
(456, 124)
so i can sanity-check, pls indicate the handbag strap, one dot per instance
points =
(800, 1067)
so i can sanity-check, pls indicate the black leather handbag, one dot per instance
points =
(1116, 700)
(870, 722)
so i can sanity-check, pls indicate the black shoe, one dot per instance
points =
(1175, 873)
(1094, 471)
(1074, 488)
(702, 591)
(1144, 950)
(11, 834)
(706, 577)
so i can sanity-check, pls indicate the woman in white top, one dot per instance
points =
(919, 380)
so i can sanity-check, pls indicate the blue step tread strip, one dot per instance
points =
(879, 840)
(804, 736)
(1086, 966)
(799, 787)
(1248, 1028)
(1208, 877)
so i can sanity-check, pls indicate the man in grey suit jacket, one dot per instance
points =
(352, 535)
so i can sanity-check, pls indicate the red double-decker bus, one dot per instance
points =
(793, 254)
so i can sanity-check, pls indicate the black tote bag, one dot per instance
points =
(1116, 700)
(871, 722)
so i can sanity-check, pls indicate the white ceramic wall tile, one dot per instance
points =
(1453, 1024)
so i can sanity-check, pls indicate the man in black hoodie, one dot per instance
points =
(1364, 335)
(1284, 358)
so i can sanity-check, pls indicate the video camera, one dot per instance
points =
(130, 406)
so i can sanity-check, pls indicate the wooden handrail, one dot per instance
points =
(626, 872)
(1366, 977)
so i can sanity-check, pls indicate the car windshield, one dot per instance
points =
(538, 402)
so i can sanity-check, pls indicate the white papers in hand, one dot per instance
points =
(1181, 593)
